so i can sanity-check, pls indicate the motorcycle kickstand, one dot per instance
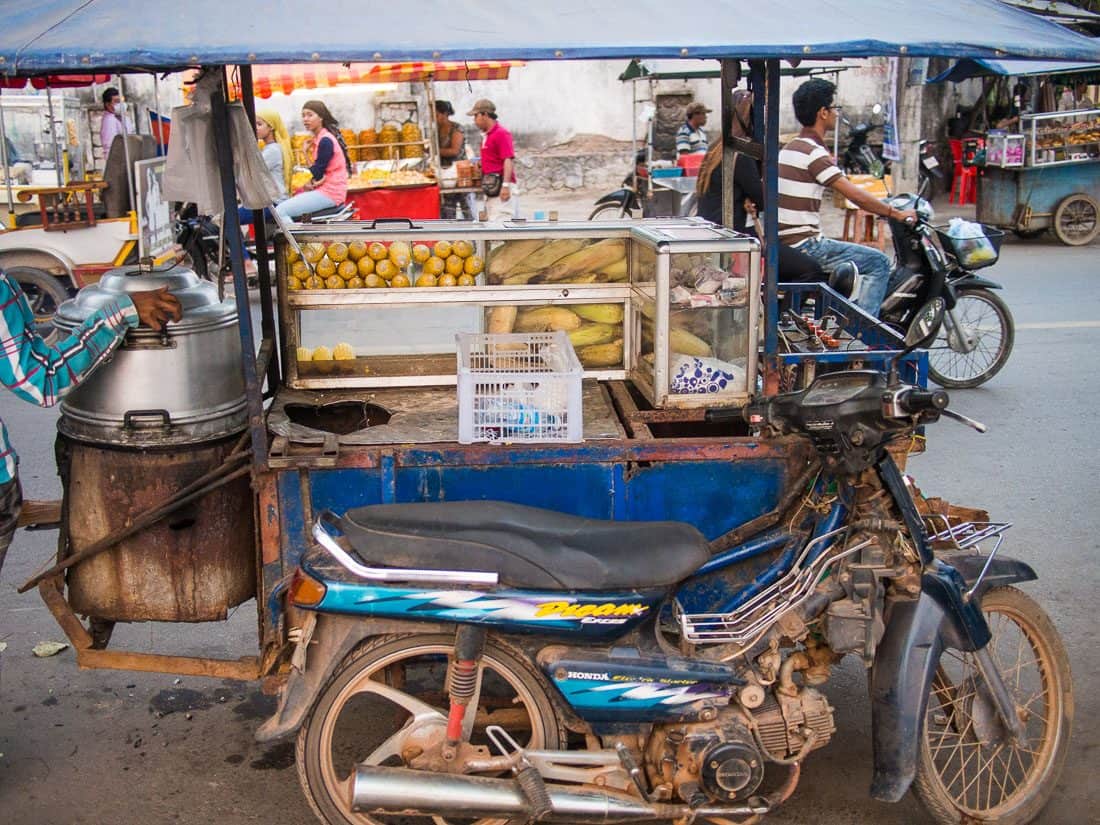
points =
(527, 776)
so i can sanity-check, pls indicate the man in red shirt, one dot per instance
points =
(498, 157)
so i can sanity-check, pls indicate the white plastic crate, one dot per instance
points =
(518, 388)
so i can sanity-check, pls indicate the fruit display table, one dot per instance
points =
(418, 202)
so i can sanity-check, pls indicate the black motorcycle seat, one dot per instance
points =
(528, 547)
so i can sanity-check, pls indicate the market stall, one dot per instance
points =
(398, 169)
(1043, 172)
(657, 321)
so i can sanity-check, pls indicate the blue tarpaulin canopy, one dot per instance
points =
(966, 69)
(85, 35)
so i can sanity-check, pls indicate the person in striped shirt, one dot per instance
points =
(43, 375)
(805, 169)
(690, 137)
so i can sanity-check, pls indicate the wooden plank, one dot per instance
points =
(51, 592)
(40, 513)
(245, 669)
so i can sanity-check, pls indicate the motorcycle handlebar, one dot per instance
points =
(918, 401)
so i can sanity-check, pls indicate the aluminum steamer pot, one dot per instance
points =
(179, 386)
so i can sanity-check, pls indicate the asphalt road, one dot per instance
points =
(108, 748)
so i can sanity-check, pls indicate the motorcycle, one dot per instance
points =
(494, 662)
(978, 331)
(626, 201)
(928, 169)
(859, 158)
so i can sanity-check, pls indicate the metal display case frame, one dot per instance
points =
(1031, 125)
(663, 240)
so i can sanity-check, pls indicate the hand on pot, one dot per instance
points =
(155, 307)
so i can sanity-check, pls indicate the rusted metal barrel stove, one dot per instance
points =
(163, 412)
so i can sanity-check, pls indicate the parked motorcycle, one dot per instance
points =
(859, 158)
(625, 202)
(505, 663)
(978, 331)
(928, 169)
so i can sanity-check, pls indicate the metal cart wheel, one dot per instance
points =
(1077, 220)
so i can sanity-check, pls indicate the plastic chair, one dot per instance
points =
(964, 183)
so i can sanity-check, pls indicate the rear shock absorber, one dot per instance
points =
(462, 683)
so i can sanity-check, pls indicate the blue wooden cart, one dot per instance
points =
(1031, 199)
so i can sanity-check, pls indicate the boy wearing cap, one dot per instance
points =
(690, 138)
(497, 158)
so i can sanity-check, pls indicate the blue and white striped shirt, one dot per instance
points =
(42, 374)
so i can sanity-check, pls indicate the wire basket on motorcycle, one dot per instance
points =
(974, 245)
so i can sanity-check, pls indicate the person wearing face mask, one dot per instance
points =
(330, 169)
(113, 123)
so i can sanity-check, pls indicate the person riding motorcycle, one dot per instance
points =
(805, 170)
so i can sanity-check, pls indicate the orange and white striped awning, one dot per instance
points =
(269, 79)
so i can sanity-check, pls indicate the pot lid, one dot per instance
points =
(199, 298)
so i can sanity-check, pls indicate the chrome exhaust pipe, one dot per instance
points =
(393, 791)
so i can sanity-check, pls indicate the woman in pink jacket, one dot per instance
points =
(331, 166)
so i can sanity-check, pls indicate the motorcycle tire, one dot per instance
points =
(611, 211)
(961, 775)
(44, 293)
(987, 324)
(509, 684)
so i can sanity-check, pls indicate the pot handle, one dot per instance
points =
(130, 422)
(374, 224)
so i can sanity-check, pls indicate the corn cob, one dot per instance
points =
(591, 258)
(521, 278)
(507, 256)
(548, 255)
(602, 355)
(683, 342)
(601, 313)
(547, 319)
(591, 334)
(500, 319)
(617, 271)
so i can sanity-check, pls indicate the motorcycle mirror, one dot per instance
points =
(922, 331)
(925, 324)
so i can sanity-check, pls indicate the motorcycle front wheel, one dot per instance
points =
(979, 345)
(611, 211)
(969, 769)
(369, 707)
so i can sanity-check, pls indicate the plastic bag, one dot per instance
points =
(972, 247)
(191, 173)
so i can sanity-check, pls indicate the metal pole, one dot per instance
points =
(730, 68)
(125, 152)
(263, 262)
(252, 381)
(53, 134)
(160, 122)
(7, 170)
(771, 225)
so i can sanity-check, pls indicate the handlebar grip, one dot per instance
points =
(721, 415)
(918, 401)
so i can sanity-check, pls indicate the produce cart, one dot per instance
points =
(358, 404)
(1048, 177)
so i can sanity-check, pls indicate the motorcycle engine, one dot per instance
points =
(720, 762)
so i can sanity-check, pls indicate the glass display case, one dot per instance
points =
(379, 306)
(671, 304)
(1004, 150)
(1062, 137)
(695, 297)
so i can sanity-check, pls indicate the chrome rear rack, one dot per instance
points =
(964, 535)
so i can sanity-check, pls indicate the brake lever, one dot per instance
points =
(962, 419)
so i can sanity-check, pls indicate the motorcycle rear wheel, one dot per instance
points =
(988, 333)
(967, 769)
(348, 723)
